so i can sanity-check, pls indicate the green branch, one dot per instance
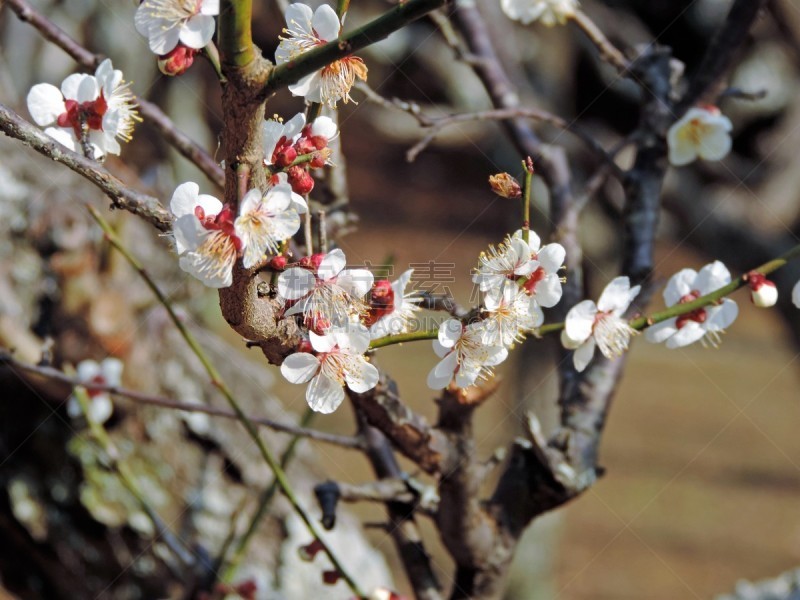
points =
(374, 31)
(235, 33)
(217, 381)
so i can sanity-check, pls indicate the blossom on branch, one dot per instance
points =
(548, 12)
(97, 108)
(465, 356)
(165, 23)
(702, 132)
(326, 293)
(338, 360)
(390, 307)
(205, 235)
(705, 323)
(265, 221)
(305, 30)
(107, 372)
(511, 313)
(588, 324)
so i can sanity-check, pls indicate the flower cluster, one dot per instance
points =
(107, 372)
(342, 309)
(88, 112)
(307, 29)
(209, 237)
(547, 12)
(292, 146)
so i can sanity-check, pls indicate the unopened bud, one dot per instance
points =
(320, 158)
(305, 346)
(331, 577)
(176, 61)
(763, 292)
(302, 183)
(277, 263)
(285, 156)
(308, 552)
(505, 185)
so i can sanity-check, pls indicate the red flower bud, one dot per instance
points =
(176, 61)
(278, 263)
(763, 292)
(309, 551)
(285, 156)
(381, 301)
(302, 183)
(305, 346)
(331, 577)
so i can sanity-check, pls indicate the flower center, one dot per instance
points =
(530, 285)
(90, 112)
(221, 222)
(612, 334)
(698, 315)
(97, 380)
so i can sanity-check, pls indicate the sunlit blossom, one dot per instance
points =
(391, 308)
(165, 23)
(465, 356)
(703, 132)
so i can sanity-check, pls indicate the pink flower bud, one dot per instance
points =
(305, 346)
(278, 263)
(331, 577)
(285, 156)
(763, 292)
(176, 61)
(308, 552)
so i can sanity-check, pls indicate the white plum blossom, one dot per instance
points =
(101, 103)
(279, 135)
(107, 372)
(330, 295)
(702, 132)
(391, 308)
(205, 236)
(265, 221)
(763, 292)
(544, 283)
(511, 313)
(465, 356)
(704, 324)
(588, 324)
(548, 12)
(339, 361)
(511, 259)
(305, 30)
(165, 23)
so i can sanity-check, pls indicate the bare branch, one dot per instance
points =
(149, 111)
(383, 490)
(6, 358)
(608, 51)
(124, 197)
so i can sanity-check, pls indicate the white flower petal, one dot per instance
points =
(65, 137)
(332, 264)
(716, 145)
(300, 367)
(439, 350)
(450, 332)
(322, 343)
(324, 395)
(164, 36)
(45, 103)
(583, 355)
(688, 334)
(325, 127)
(551, 257)
(188, 233)
(295, 283)
(548, 291)
(112, 370)
(307, 87)
(679, 285)
(722, 316)
(294, 126)
(661, 331)
(356, 282)
(298, 16)
(326, 23)
(362, 379)
(441, 375)
(88, 369)
(712, 277)
(580, 319)
(209, 7)
(250, 201)
(616, 296)
(198, 31)
(184, 199)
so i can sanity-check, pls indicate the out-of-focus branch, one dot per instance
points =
(382, 490)
(374, 31)
(402, 524)
(6, 358)
(722, 51)
(124, 197)
(149, 111)
(608, 51)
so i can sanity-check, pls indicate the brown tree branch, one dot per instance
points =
(149, 111)
(122, 196)
(51, 373)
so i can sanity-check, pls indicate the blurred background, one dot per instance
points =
(701, 450)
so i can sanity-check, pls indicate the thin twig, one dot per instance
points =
(608, 51)
(6, 358)
(149, 111)
(124, 197)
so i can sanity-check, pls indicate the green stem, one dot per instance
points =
(126, 476)
(341, 7)
(212, 54)
(263, 505)
(414, 336)
(313, 60)
(526, 201)
(217, 381)
(235, 37)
